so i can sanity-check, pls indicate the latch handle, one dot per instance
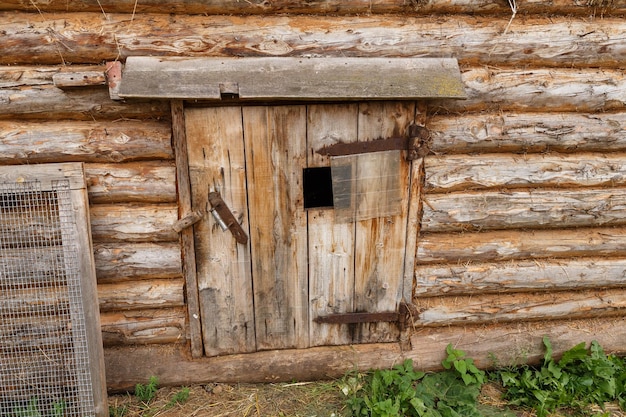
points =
(227, 217)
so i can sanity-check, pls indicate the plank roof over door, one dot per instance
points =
(291, 78)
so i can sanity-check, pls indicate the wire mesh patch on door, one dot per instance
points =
(44, 363)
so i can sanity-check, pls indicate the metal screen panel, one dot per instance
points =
(44, 361)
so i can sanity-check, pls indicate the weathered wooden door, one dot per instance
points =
(298, 264)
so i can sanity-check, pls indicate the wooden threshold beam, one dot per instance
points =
(512, 343)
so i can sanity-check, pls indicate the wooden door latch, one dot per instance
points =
(225, 218)
(187, 221)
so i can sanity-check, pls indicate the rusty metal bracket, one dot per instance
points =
(417, 145)
(419, 142)
(225, 217)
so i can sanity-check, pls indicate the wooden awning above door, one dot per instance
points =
(311, 79)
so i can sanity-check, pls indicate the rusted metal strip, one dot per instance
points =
(417, 144)
(404, 316)
(353, 148)
(349, 318)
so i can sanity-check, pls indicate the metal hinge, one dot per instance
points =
(402, 317)
(417, 145)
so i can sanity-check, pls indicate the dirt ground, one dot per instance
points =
(303, 399)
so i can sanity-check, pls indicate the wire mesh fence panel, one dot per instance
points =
(44, 358)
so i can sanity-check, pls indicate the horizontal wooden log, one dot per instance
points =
(134, 182)
(207, 7)
(141, 294)
(528, 132)
(119, 261)
(476, 172)
(164, 325)
(501, 245)
(94, 37)
(23, 76)
(40, 142)
(526, 275)
(510, 343)
(458, 310)
(49, 102)
(133, 223)
(532, 209)
(554, 90)
(513, 344)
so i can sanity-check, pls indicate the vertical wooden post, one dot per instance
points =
(184, 208)
(415, 212)
(414, 218)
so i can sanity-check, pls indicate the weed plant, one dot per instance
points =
(402, 391)
(579, 379)
(146, 393)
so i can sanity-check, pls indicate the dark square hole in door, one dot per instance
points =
(318, 187)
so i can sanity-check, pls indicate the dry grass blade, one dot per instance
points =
(247, 400)
(301, 399)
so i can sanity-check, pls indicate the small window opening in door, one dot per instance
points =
(318, 187)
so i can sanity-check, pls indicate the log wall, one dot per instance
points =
(131, 177)
(586, 8)
(523, 221)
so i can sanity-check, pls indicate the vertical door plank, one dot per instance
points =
(380, 242)
(217, 163)
(331, 244)
(275, 141)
